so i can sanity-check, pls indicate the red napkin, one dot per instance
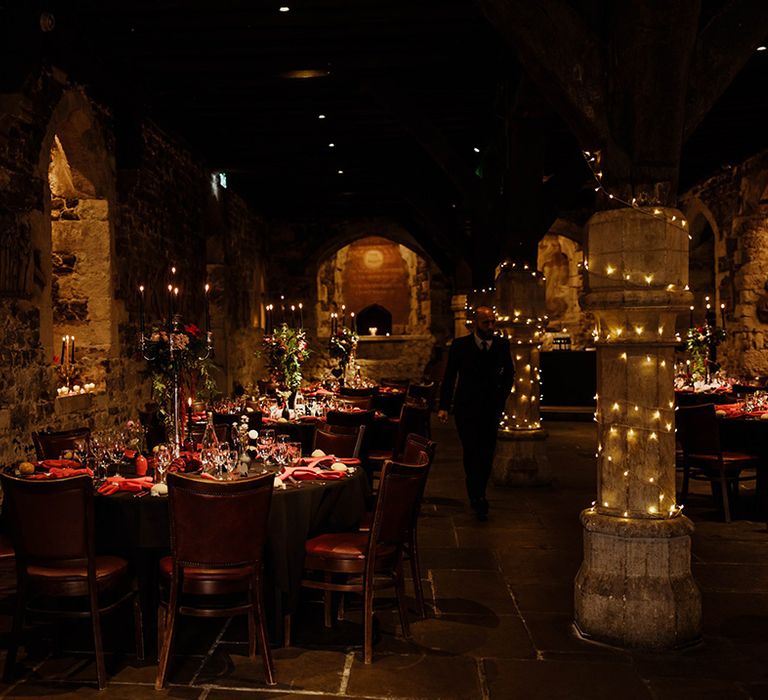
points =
(206, 475)
(327, 461)
(59, 464)
(60, 472)
(120, 483)
(731, 409)
(310, 474)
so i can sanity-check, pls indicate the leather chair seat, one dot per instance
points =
(731, 460)
(338, 545)
(200, 581)
(74, 580)
(6, 548)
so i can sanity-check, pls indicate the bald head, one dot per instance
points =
(485, 322)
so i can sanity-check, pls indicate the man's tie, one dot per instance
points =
(485, 346)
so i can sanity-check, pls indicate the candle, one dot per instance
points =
(62, 357)
(301, 315)
(293, 315)
(207, 309)
(141, 308)
(72, 349)
(352, 321)
(268, 318)
(691, 317)
(722, 315)
(175, 300)
(170, 306)
(343, 315)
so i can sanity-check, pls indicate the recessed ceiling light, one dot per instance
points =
(305, 73)
(476, 149)
(285, 8)
(340, 172)
(321, 116)
(331, 145)
(761, 48)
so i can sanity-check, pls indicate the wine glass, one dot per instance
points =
(162, 462)
(116, 449)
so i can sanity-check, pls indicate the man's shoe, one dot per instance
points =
(480, 506)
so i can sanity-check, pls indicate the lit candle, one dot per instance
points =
(72, 349)
(175, 306)
(141, 308)
(170, 306)
(691, 317)
(352, 321)
(282, 309)
(207, 309)
(722, 315)
(343, 315)
(293, 315)
(301, 315)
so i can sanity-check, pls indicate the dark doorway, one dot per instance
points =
(374, 316)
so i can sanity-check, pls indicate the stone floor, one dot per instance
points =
(501, 605)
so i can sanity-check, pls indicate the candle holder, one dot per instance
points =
(173, 353)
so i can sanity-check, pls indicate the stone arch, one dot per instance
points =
(76, 237)
(704, 248)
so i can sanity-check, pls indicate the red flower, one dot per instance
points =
(192, 329)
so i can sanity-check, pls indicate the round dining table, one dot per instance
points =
(139, 528)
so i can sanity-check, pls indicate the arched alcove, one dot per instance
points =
(79, 296)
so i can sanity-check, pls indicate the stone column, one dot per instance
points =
(459, 309)
(635, 588)
(521, 456)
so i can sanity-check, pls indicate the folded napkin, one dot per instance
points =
(60, 464)
(327, 461)
(309, 474)
(60, 472)
(119, 483)
(730, 409)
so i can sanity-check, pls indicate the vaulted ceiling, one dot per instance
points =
(415, 95)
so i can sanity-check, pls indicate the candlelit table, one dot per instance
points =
(139, 528)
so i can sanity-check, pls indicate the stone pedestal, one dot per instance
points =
(521, 456)
(635, 586)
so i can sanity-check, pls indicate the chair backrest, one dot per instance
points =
(413, 420)
(349, 417)
(395, 383)
(358, 391)
(422, 392)
(364, 402)
(341, 441)
(219, 524)
(415, 447)
(49, 521)
(698, 430)
(49, 444)
(397, 504)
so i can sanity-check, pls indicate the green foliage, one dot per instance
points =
(286, 349)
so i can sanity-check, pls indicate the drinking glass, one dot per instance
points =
(162, 462)
(116, 449)
(294, 453)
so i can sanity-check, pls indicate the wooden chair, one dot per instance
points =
(363, 402)
(417, 449)
(703, 457)
(214, 569)
(49, 444)
(358, 391)
(341, 441)
(51, 525)
(413, 420)
(353, 418)
(395, 383)
(361, 559)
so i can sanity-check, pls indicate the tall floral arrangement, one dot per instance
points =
(181, 352)
(286, 349)
(700, 342)
(343, 343)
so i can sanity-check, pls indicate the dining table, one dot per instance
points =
(138, 528)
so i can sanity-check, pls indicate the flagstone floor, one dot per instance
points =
(500, 624)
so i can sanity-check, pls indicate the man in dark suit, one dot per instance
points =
(482, 363)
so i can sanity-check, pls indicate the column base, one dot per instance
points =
(521, 458)
(635, 589)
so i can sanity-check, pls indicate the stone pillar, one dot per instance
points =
(521, 456)
(459, 309)
(635, 588)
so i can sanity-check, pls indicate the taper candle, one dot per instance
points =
(62, 357)
(72, 349)
(691, 317)
(207, 309)
(170, 306)
(141, 308)
(722, 315)
(301, 315)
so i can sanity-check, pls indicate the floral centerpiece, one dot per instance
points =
(183, 353)
(701, 342)
(343, 343)
(286, 349)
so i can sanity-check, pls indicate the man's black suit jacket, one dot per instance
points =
(484, 378)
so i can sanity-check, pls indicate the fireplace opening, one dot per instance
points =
(374, 320)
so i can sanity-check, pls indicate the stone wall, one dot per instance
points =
(734, 206)
(72, 259)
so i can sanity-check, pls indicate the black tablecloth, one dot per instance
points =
(139, 529)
